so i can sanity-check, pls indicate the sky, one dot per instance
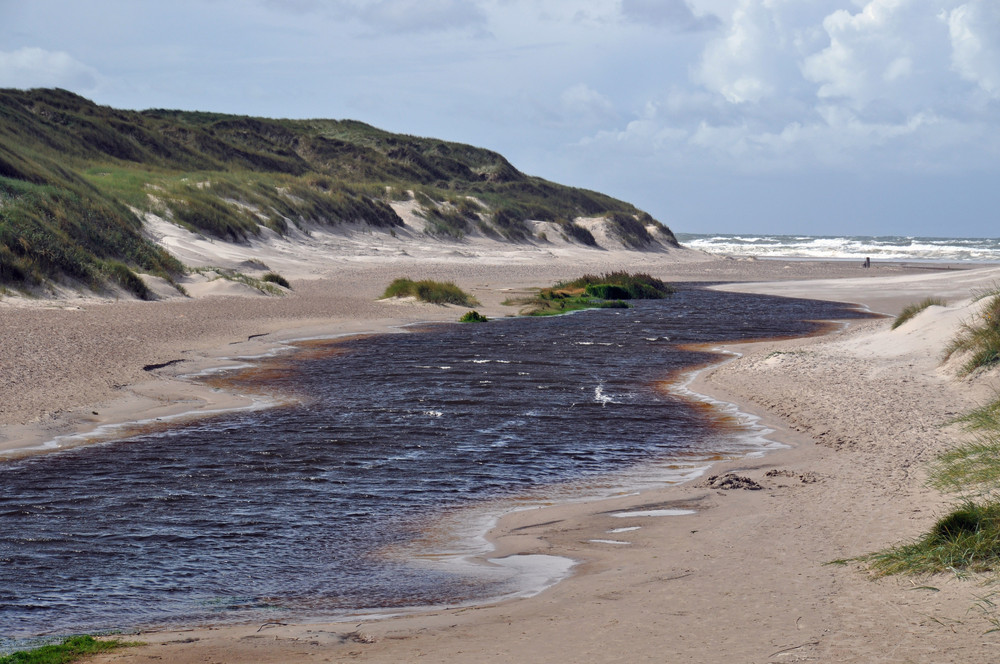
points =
(815, 117)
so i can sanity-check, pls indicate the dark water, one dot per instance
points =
(284, 511)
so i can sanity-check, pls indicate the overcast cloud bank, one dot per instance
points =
(878, 116)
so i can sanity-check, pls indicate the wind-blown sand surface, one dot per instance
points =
(744, 578)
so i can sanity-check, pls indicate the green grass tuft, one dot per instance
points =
(639, 285)
(70, 650)
(912, 310)
(607, 291)
(473, 317)
(965, 540)
(275, 278)
(434, 292)
(982, 418)
(972, 468)
(126, 278)
(613, 304)
(979, 339)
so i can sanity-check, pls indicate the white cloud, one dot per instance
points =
(974, 28)
(831, 136)
(641, 135)
(846, 84)
(32, 67)
(741, 64)
(853, 66)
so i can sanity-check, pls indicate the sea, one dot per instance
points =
(848, 247)
(370, 483)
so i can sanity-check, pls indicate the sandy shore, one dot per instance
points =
(743, 578)
(76, 364)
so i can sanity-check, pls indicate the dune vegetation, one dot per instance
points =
(473, 317)
(911, 310)
(70, 650)
(427, 290)
(606, 291)
(76, 178)
(967, 538)
(978, 340)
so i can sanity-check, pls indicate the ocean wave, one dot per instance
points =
(856, 247)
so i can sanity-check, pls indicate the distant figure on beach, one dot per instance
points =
(868, 262)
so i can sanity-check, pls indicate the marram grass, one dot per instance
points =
(632, 286)
(473, 317)
(965, 540)
(265, 285)
(978, 340)
(434, 292)
(912, 310)
(972, 468)
(275, 278)
(606, 291)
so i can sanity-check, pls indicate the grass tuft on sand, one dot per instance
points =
(277, 279)
(967, 539)
(434, 292)
(607, 291)
(473, 317)
(638, 285)
(268, 286)
(979, 338)
(912, 310)
(70, 650)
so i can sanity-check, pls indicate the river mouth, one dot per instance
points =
(290, 511)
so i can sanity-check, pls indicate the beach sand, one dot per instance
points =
(745, 577)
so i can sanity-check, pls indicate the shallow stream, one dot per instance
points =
(287, 512)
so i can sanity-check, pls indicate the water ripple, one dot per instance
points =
(286, 511)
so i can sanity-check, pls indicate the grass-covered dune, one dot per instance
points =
(74, 177)
(967, 538)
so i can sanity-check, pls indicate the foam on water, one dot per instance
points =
(853, 247)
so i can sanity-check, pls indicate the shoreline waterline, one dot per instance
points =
(652, 473)
(471, 534)
(477, 531)
(137, 414)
